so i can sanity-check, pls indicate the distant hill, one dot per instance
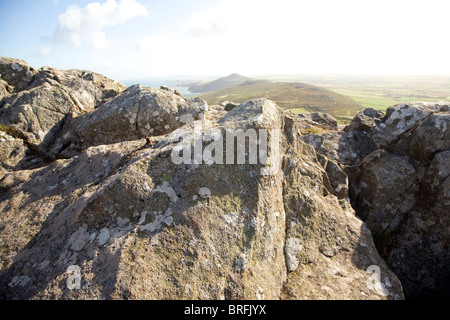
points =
(298, 97)
(219, 84)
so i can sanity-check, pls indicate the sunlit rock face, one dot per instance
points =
(253, 202)
(398, 166)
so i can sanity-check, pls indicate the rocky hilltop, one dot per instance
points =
(219, 84)
(398, 166)
(109, 192)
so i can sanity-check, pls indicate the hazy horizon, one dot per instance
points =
(136, 39)
(274, 76)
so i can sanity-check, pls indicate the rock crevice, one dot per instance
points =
(96, 200)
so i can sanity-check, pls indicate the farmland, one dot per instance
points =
(380, 92)
(295, 96)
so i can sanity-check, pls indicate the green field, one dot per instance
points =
(381, 101)
(381, 92)
(295, 96)
(341, 96)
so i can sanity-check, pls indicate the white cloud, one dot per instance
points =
(43, 51)
(88, 23)
(292, 36)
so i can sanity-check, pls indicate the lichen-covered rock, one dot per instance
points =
(178, 93)
(3, 88)
(215, 112)
(399, 120)
(127, 221)
(12, 150)
(88, 89)
(319, 119)
(400, 191)
(365, 120)
(182, 218)
(34, 112)
(337, 251)
(386, 190)
(398, 185)
(419, 248)
(405, 127)
(136, 113)
(37, 102)
(17, 73)
(429, 138)
(228, 106)
(338, 179)
(326, 144)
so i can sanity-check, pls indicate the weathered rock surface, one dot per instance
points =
(322, 120)
(12, 151)
(120, 219)
(3, 88)
(216, 112)
(52, 95)
(228, 106)
(398, 167)
(178, 93)
(16, 74)
(136, 113)
(36, 102)
(87, 89)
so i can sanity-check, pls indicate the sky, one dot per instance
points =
(133, 39)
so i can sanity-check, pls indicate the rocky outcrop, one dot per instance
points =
(3, 88)
(216, 112)
(13, 150)
(37, 100)
(318, 120)
(228, 106)
(336, 247)
(178, 93)
(136, 113)
(119, 219)
(16, 75)
(399, 177)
